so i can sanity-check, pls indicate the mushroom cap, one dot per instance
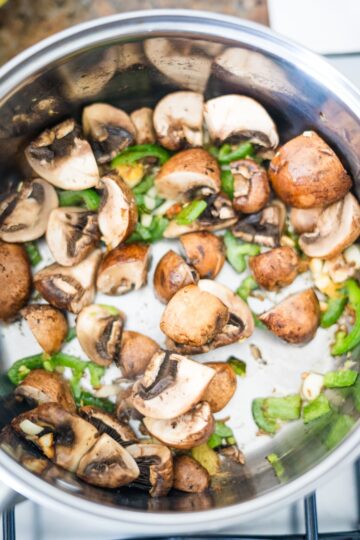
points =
(66, 287)
(71, 234)
(221, 387)
(108, 423)
(304, 220)
(108, 129)
(135, 353)
(306, 173)
(107, 464)
(251, 186)
(143, 121)
(156, 467)
(123, 269)
(62, 157)
(186, 431)
(275, 268)
(296, 318)
(193, 316)
(24, 214)
(117, 215)
(189, 475)
(47, 324)
(234, 117)
(337, 228)
(187, 174)
(45, 387)
(178, 119)
(205, 252)
(99, 333)
(171, 274)
(171, 385)
(15, 279)
(264, 227)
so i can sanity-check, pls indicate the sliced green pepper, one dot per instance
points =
(238, 366)
(190, 212)
(33, 253)
(246, 287)
(258, 324)
(22, 367)
(334, 310)
(227, 154)
(149, 234)
(221, 432)
(237, 250)
(144, 186)
(340, 379)
(141, 151)
(214, 441)
(345, 343)
(338, 430)
(283, 408)
(266, 424)
(316, 408)
(275, 462)
(87, 197)
(227, 183)
(71, 334)
(85, 398)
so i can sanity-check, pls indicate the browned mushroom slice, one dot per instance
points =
(275, 268)
(62, 157)
(186, 431)
(108, 129)
(189, 475)
(251, 186)
(221, 387)
(135, 353)
(62, 436)
(24, 214)
(109, 424)
(296, 318)
(306, 173)
(45, 387)
(171, 385)
(107, 464)
(117, 212)
(205, 252)
(15, 279)
(337, 228)
(304, 220)
(188, 174)
(264, 227)
(99, 330)
(171, 274)
(123, 269)
(69, 288)
(156, 468)
(144, 126)
(71, 234)
(47, 324)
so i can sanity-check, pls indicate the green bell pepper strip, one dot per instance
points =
(246, 287)
(71, 334)
(316, 408)
(22, 367)
(33, 253)
(333, 312)
(276, 464)
(258, 324)
(190, 212)
(87, 197)
(141, 151)
(221, 432)
(149, 234)
(213, 150)
(227, 154)
(214, 441)
(356, 394)
(340, 379)
(238, 366)
(227, 183)
(144, 186)
(264, 423)
(338, 430)
(237, 250)
(283, 408)
(344, 344)
(85, 398)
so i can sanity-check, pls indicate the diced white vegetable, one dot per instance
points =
(164, 207)
(150, 202)
(312, 386)
(352, 255)
(30, 428)
(146, 220)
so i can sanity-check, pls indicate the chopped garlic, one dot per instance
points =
(164, 207)
(287, 241)
(352, 255)
(312, 386)
(150, 202)
(30, 428)
(146, 220)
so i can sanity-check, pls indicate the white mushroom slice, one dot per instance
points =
(144, 126)
(172, 385)
(108, 129)
(69, 288)
(24, 214)
(47, 324)
(178, 119)
(99, 330)
(265, 227)
(234, 117)
(117, 216)
(71, 234)
(304, 220)
(156, 468)
(62, 157)
(186, 431)
(337, 228)
(108, 423)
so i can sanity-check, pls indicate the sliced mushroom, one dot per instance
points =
(118, 212)
(107, 464)
(275, 268)
(337, 228)
(194, 317)
(189, 475)
(185, 431)
(251, 186)
(62, 436)
(45, 387)
(124, 269)
(304, 220)
(71, 234)
(205, 252)
(135, 353)
(15, 279)
(69, 288)
(171, 274)
(47, 324)
(264, 227)
(99, 330)
(296, 318)
(144, 126)
(62, 157)
(234, 118)
(156, 468)
(221, 387)
(108, 129)
(306, 173)
(171, 385)
(178, 119)
(24, 214)
(109, 424)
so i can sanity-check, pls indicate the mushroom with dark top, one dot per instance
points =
(304, 220)
(275, 268)
(264, 227)
(15, 279)
(205, 252)
(144, 125)
(251, 186)
(109, 424)
(189, 475)
(47, 324)
(44, 386)
(171, 274)
(135, 353)
(156, 468)
(221, 387)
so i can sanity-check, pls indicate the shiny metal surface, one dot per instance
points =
(125, 61)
